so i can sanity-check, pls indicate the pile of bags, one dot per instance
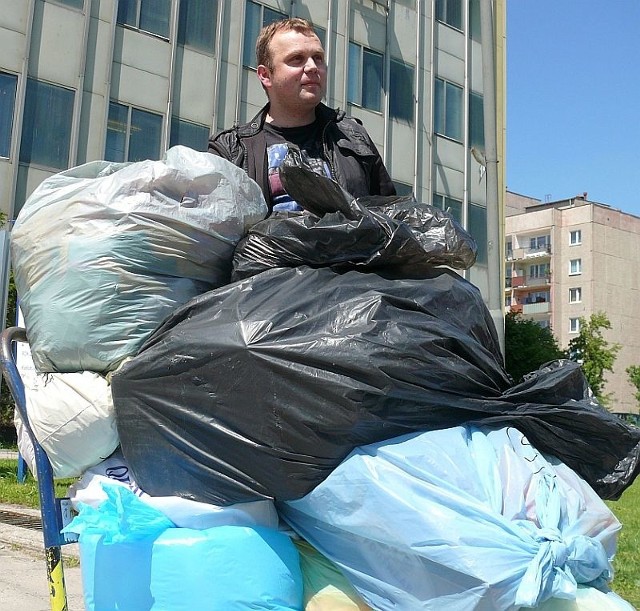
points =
(321, 376)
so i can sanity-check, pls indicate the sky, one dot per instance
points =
(573, 100)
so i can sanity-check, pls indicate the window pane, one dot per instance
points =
(476, 120)
(321, 33)
(73, 3)
(478, 229)
(371, 79)
(402, 188)
(354, 74)
(453, 111)
(8, 85)
(454, 13)
(189, 134)
(128, 12)
(197, 23)
(117, 127)
(270, 16)
(144, 136)
(454, 208)
(46, 135)
(253, 23)
(154, 16)
(441, 13)
(401, 91)
(474, 20)
(438, 107)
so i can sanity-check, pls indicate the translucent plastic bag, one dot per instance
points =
(462, 518)
(103, 252)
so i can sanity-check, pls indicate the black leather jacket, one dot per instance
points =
(352, 156)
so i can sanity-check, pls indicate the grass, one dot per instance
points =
(25, 494)
(627, 509)
(626, 563)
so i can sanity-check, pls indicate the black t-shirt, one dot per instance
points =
(307, 138)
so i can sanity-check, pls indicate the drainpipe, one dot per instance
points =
(218, 64)
(243, 18)
(173, 38)
(77, 104)
(417, 105)
(491, 153)
(432, 82)
(328, 48)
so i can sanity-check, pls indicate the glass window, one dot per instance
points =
(575, 295)
(476, 120)
(365, 77)
(74, 3)
(402, 188)
(575, 266)
(132, 134)
(449, 204)
(540, 270)
(541, 242)
(474, 20)
(448, 109)
(46, 132)
(401, 91)
(575, 237)
(450, 12)
(574, 325)
(148, 15)
(478, 229)
(8, 86)
(193, 135)
(197, 24)
(257, 16)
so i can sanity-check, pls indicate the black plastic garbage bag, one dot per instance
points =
(372, 233)
(260, 388)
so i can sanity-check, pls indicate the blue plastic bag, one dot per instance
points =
(133, 559)
(461, 518)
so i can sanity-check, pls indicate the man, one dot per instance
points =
(293, 73)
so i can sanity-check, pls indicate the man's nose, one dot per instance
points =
(311, 65)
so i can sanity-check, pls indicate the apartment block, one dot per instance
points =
(124, 80)
(570, 258)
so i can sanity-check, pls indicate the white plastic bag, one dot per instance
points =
(462, 518)
(72, 418)
(103, 252)
(184, 513)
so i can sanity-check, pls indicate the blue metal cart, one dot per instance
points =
(54, 511)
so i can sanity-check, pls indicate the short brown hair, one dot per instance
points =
(263, 54)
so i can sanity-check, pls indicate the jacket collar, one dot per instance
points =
(325, 113)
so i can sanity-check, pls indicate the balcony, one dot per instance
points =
(516, 308)
(528, 253)
(543, 307)
(521, 282)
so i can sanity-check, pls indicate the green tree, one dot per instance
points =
(633, 371)
(527, 346)
(594, 353)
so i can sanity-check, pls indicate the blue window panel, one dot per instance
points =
(401, 99)
(117, 128)
(197, 24)
(145, 135)
(189, 134)
(478, 229)
(8, 87)
(46, 130)
(372, 66)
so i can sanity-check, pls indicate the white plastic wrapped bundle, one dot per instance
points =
(103, 252)
(72, 418)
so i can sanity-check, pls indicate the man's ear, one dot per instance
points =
(264, 75)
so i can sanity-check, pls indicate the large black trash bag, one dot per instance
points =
(373, 233)
(260, 388)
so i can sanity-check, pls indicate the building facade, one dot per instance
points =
(568, 259)
(124, 80)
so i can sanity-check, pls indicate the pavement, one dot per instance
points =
(23, 574)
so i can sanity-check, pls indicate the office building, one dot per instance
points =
(568, 259)
(82, 80)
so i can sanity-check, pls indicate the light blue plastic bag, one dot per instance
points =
(462, 518)
(133, 559)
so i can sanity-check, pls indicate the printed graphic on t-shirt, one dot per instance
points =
(275, 154)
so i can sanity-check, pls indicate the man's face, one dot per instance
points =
(298, 79)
